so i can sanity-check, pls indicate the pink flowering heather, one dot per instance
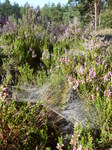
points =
(106, 66)
(69, 80)
(80, 148)
(108, 77)
(109, 74)
(105, 93)
(76, 85)
(95, 55)
(105, 78)
(108, 93)
(103, 62)
(97, 88)
(82, 81)
(59, 146)
(67, 60)
(92, 74)
(72, 140)
(111, 80)
(81, 70)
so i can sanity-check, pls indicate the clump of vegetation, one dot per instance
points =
(106, 19)
(21, 126)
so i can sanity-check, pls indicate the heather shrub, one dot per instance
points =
(92, 78)
(23, 44)
(106, 19)
(99, 136)
(90, 73)
(41, 77)
(21, 126)
(57, 90)
(26, 75)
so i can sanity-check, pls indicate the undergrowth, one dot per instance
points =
(78, 59)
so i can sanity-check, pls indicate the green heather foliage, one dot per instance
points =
(19, 126)
(25, 74)
(106, 18)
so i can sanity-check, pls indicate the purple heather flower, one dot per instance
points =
(80, 148)
(97, 88)
(81, 70)
(103, 62)
(69, 80)
(111, 79)
(108, 93)
(76, 85)
(90, 80)
(109, 74)
(92, 74)
(95, 55)
(82, 81)
(30, 49)
(67, 60)
(106, 66)
(105, 78)
(58, 146)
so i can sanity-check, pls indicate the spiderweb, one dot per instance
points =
(71, 109)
